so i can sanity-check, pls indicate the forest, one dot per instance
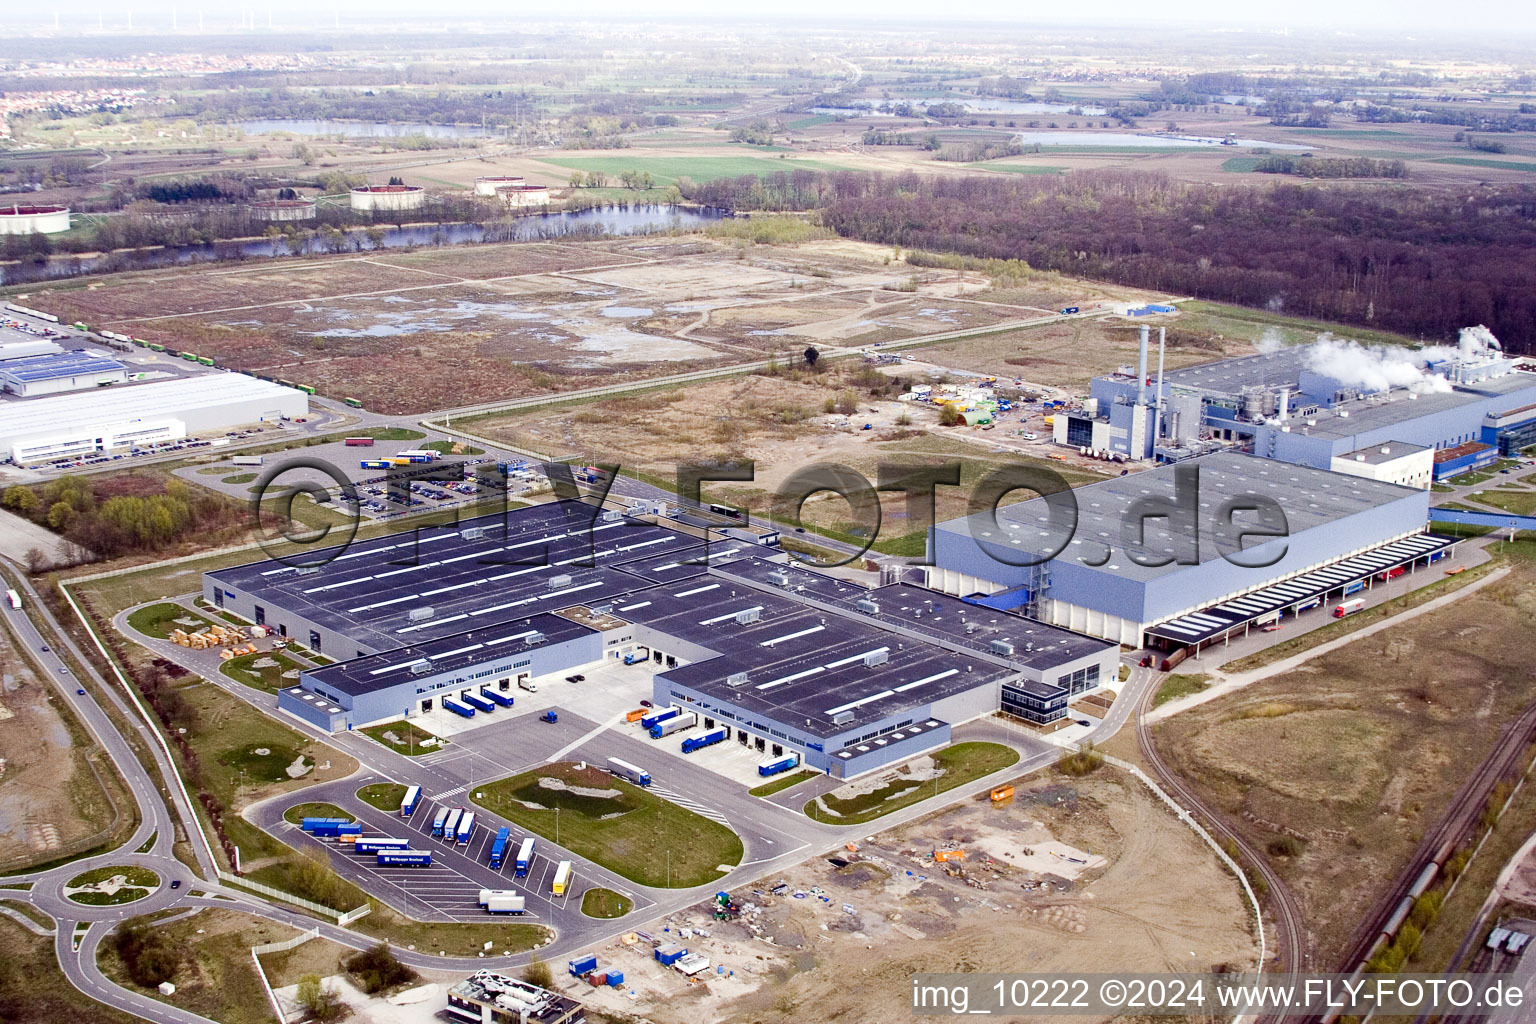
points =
(1421, 263)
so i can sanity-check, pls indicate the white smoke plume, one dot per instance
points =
(1478, 343)
(1374, 368)
(1269, 342)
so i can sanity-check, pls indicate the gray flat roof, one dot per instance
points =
(1396, 407)
(1310, 498)
(1280, 368)
(1376, 454)
(448, 653)
(125, 402)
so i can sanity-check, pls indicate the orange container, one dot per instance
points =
(635, 715)
(1002, 793)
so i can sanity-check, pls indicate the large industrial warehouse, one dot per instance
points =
(1094, 585)
(849, 678)
(71, 425)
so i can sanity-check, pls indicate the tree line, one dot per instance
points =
(1332, 167)
(1421, 263)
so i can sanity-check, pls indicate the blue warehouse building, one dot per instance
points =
(1101, 580)
(848, 677)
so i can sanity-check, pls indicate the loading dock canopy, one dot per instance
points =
(1265, 605)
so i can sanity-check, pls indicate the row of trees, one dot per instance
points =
(1332, 167)
(1424, 264)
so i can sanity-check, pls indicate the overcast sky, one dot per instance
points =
(1499, 18)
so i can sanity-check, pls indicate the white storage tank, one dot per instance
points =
(388, 197)
(487, 185)
(19, 219)
(524, 195)
(284, 209)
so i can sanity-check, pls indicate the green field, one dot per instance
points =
(1178, 685)
(605, 903)
(987, 165)
(1241, 164)
(409, 740)
(1470, 161)
(961, 763)
(666, 169)
(239, 478)
(268, 677)
(626, 829)
(783, 782)
(158, 620)
(1521, 503)
(386, 796)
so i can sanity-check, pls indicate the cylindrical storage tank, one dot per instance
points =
(488, 185)
(524, 195)
(388, 197)
(284, 209)
(17, 219)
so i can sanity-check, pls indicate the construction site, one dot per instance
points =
(1065, 872)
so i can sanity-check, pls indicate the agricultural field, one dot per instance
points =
(1337, 767)
(52, 799)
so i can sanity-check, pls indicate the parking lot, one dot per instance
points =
(450, 888)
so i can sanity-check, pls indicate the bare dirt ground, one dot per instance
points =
(49, 798)
(1018, 902)
(1338, 767)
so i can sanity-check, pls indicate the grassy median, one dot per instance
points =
(622, 827)
(958, 765)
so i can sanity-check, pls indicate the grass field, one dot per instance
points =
(960, 764)
(242, 669)
(1177, 685)
(408, 739)
(158, 620)
(1356, 756)
(140, 883)
(984, 165)
(386, 796)
(1503, 165)
(36, 991)
(1521, 503)
(605, 903)
(666, 170)
(783, 782)
(624, 828)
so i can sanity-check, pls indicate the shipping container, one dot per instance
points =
(562, 879)
(778, 764)
(625, 770)
(669, 954)
(524, 857)
(636, 715)
(156, 347)
(439, 822)
(354, 403)
(495, 698)
(677, 723)
(708, 739)
(358, 442)
(405, 858)
(308, 389)
(458, 709)
(373, 844)
(478, 703)
(466, 828)
(411, 799)
(660, 716)
(584, 964)
(310, 824)
(205, 360)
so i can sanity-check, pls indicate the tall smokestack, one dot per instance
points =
(1141, 368)
(1157, 405)
(1285, 404)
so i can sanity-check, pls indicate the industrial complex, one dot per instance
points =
(846, 678)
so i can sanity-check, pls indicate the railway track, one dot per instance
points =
(1438, 844)
(1291, 938)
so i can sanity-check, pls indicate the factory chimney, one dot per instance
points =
(1285, 404)
(1141, 368)
(1157, 403)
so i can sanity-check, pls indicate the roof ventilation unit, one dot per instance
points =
(842, 718)
(472, 532)
(533, 638)
(748, 615)
(736, 679)
(1003, 647)
(602, 609)
(610, 517)
(559, 582)
(880, 657)
(307, 570)
(869, 605)
(970, 627)
(421, 668)
(780, 578)
(419, 614)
